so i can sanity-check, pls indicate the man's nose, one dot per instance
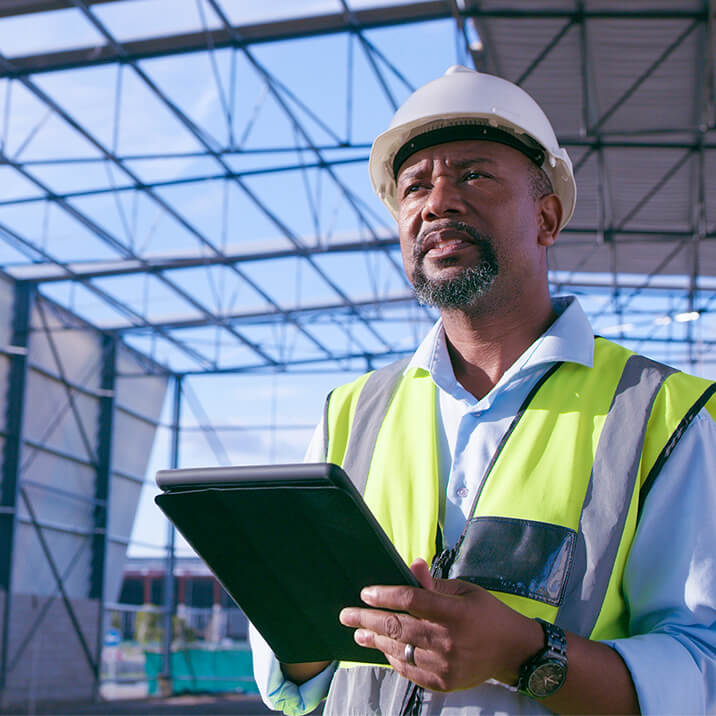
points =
(444, 199)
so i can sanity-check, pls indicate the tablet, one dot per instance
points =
(291, 544)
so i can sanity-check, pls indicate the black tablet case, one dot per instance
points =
(292, 546)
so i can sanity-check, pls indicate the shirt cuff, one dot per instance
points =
(666, 677)
(279, 693)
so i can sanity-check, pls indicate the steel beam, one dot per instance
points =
(320, 363)
(103, 482)
(290, 29)
(9, 8)
(48, 273)
(676, 12)
(268, 317)
(87, 271)
(12, 450)
(169, 579)
(595, 143)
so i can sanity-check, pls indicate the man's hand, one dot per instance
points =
(464, 636)
(461, 633)
(300, 673)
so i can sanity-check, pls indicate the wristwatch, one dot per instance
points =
(546, 671)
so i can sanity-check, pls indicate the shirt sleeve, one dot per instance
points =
(277, 692)
(670, 583)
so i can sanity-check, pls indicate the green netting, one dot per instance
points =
(198, 670)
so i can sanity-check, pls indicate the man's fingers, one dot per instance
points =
(427, 670)
(437, 604)
(401, 628)
(391, 647)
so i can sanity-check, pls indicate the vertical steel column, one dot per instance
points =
(169, 579)
(17, 379)
(105, 429)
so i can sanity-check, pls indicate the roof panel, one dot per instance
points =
(645, 5)
(290, 282)
(222, 213)
(220, 289)
(365, 275)
(658, 177)
(47, 31)
(152, 18)
(244, 12)
(644, 43)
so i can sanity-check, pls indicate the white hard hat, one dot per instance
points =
(465, 104)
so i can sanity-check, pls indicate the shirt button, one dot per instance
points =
(463, 492)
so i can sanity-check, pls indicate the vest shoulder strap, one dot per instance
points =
(372, 405)
(610, 490)
(703, 401)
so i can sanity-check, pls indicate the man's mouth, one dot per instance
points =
(440, 241)
(443, 245)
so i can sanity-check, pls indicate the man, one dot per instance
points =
(562, 488)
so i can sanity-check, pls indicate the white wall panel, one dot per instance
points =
(133, 440)
(31, 571)
(78, 348)
(47, 468)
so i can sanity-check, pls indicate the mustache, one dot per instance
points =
(477, 237)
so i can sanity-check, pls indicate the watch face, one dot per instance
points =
(546, 678)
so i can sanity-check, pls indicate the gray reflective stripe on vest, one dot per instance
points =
(363, 690)
(608, 497)
(371, 408)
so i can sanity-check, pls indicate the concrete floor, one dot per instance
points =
(242, 704)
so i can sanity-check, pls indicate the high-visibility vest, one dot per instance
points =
(557, 510)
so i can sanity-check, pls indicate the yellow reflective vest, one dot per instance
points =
(558, 507)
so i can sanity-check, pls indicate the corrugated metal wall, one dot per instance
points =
(88, 412)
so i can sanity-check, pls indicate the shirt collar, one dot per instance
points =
(569, 339)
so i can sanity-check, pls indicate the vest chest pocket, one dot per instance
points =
(522, 557)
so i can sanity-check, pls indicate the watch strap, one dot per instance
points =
(554, 650)
(554, 638)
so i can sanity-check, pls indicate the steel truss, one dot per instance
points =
(692, 147)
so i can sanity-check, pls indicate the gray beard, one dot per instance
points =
(461, 291)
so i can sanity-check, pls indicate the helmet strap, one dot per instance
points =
(461, 132)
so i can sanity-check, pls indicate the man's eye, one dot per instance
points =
(411, 188)
(474, 175)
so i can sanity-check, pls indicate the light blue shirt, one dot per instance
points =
(670, 577)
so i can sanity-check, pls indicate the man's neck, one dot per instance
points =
(482, 347)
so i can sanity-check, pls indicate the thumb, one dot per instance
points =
(454, 587)
(422, 573)
(449, 587)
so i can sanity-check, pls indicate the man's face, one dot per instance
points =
(468, 223)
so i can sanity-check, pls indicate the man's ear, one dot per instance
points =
(549, 217)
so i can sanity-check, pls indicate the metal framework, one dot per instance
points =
(646, 182)
(195, 188)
